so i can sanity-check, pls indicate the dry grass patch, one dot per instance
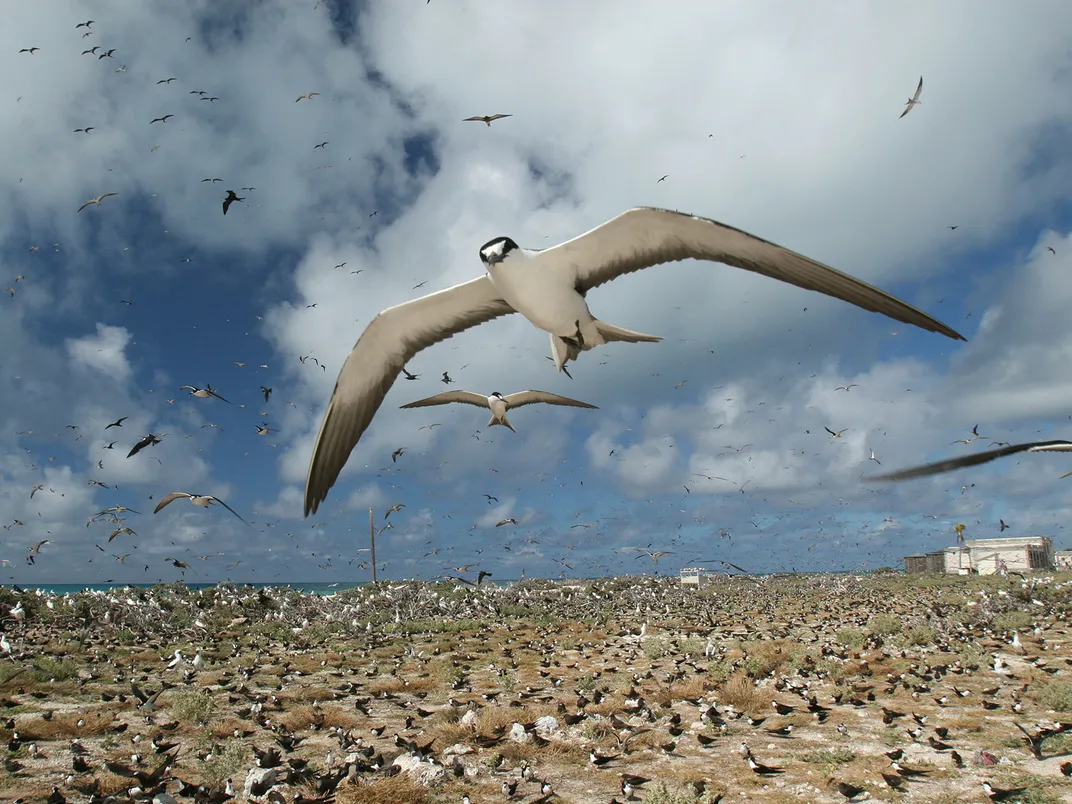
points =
(225, 727)
(395, 684)
(741, 693)
(305, 717)
(396, 790)
(65, 726)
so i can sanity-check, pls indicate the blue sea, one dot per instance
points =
(308, 588)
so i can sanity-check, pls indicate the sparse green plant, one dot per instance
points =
(655, 647)
(851, 638)
(672, 793)
(885, 624)
(1012, 621)
(225, 762)
(193, 706)
(830, 758)
(48, 668)
(921, 635)
(1056, 695)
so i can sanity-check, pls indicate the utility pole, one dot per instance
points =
(372, 541)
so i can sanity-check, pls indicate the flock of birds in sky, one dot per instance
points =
(550, 288)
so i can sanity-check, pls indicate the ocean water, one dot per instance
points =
(308, 588)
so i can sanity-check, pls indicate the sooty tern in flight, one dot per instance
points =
(914, 99)
(200, 500)
(548, 287)
(498, 403)
(973, 460)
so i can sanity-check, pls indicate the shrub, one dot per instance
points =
(885, 624)
(193, 706)
(1056, 695)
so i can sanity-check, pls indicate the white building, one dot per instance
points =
(988, 556)
(1063, 559)
(691, 576)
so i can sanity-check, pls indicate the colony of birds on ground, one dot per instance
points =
(777, 689)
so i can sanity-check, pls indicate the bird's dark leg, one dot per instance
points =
(577, 340)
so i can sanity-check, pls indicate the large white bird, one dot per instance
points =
(499, 404)
(548, 287)
(200, 500)
(974, 460)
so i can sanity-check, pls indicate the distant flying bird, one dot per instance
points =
(307, 96)
(30, 50)
(266, 391)
(149, 441)
(510, 521)
(497, 403)
(848, 387)
(200, 500)
(85, 130)
(321, 145)
(398, 453)
(36, 549)
(166, 80)
(96, 201)
(837, 434)
(914, 99)
(487, 119)
(230, 199)
(118, 422)
(972, 460)
(663, 178)
(549, 288)
(163, 119)
(208, 392)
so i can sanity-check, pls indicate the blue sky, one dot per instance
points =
(776, 117)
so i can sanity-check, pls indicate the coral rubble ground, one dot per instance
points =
(621, 689)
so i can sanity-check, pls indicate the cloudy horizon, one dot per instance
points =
(774, 117)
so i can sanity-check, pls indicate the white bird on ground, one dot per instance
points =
(499, 404)
(5, 646)
(19, 613)
(199, 661)
(176, 661)
(549, 288)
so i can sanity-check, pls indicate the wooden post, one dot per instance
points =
(372, 541)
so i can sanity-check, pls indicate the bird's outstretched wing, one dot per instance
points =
(646, 236)
(229, 508)
(522, 398)
(974, 460)
(175, 495)
(445, 398)
(387, 344)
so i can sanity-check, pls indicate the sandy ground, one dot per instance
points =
(503, 692)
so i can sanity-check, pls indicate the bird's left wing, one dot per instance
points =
(387, 344)
(522, 398)
(973, 460)
(229, 508)
(646, 236)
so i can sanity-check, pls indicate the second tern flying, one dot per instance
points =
(497, 403)
(548, 287)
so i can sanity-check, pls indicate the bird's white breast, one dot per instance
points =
(497, 405)
(545, 297)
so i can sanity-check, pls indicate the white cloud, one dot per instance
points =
(787, 128)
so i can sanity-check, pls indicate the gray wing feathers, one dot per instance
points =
(522, 398)
(974, 460)
(445, 398)
(646, 236)
(387, 344)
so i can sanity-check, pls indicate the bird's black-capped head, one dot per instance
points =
(495, 250)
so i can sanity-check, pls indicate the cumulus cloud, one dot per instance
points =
(712, 443)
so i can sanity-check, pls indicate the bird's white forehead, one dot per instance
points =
(495, 248)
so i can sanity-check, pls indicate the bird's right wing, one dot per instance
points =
(169, 499)
(445, 398)
(973, 460)
(386, 345)
(645, 236)
(522, 398)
